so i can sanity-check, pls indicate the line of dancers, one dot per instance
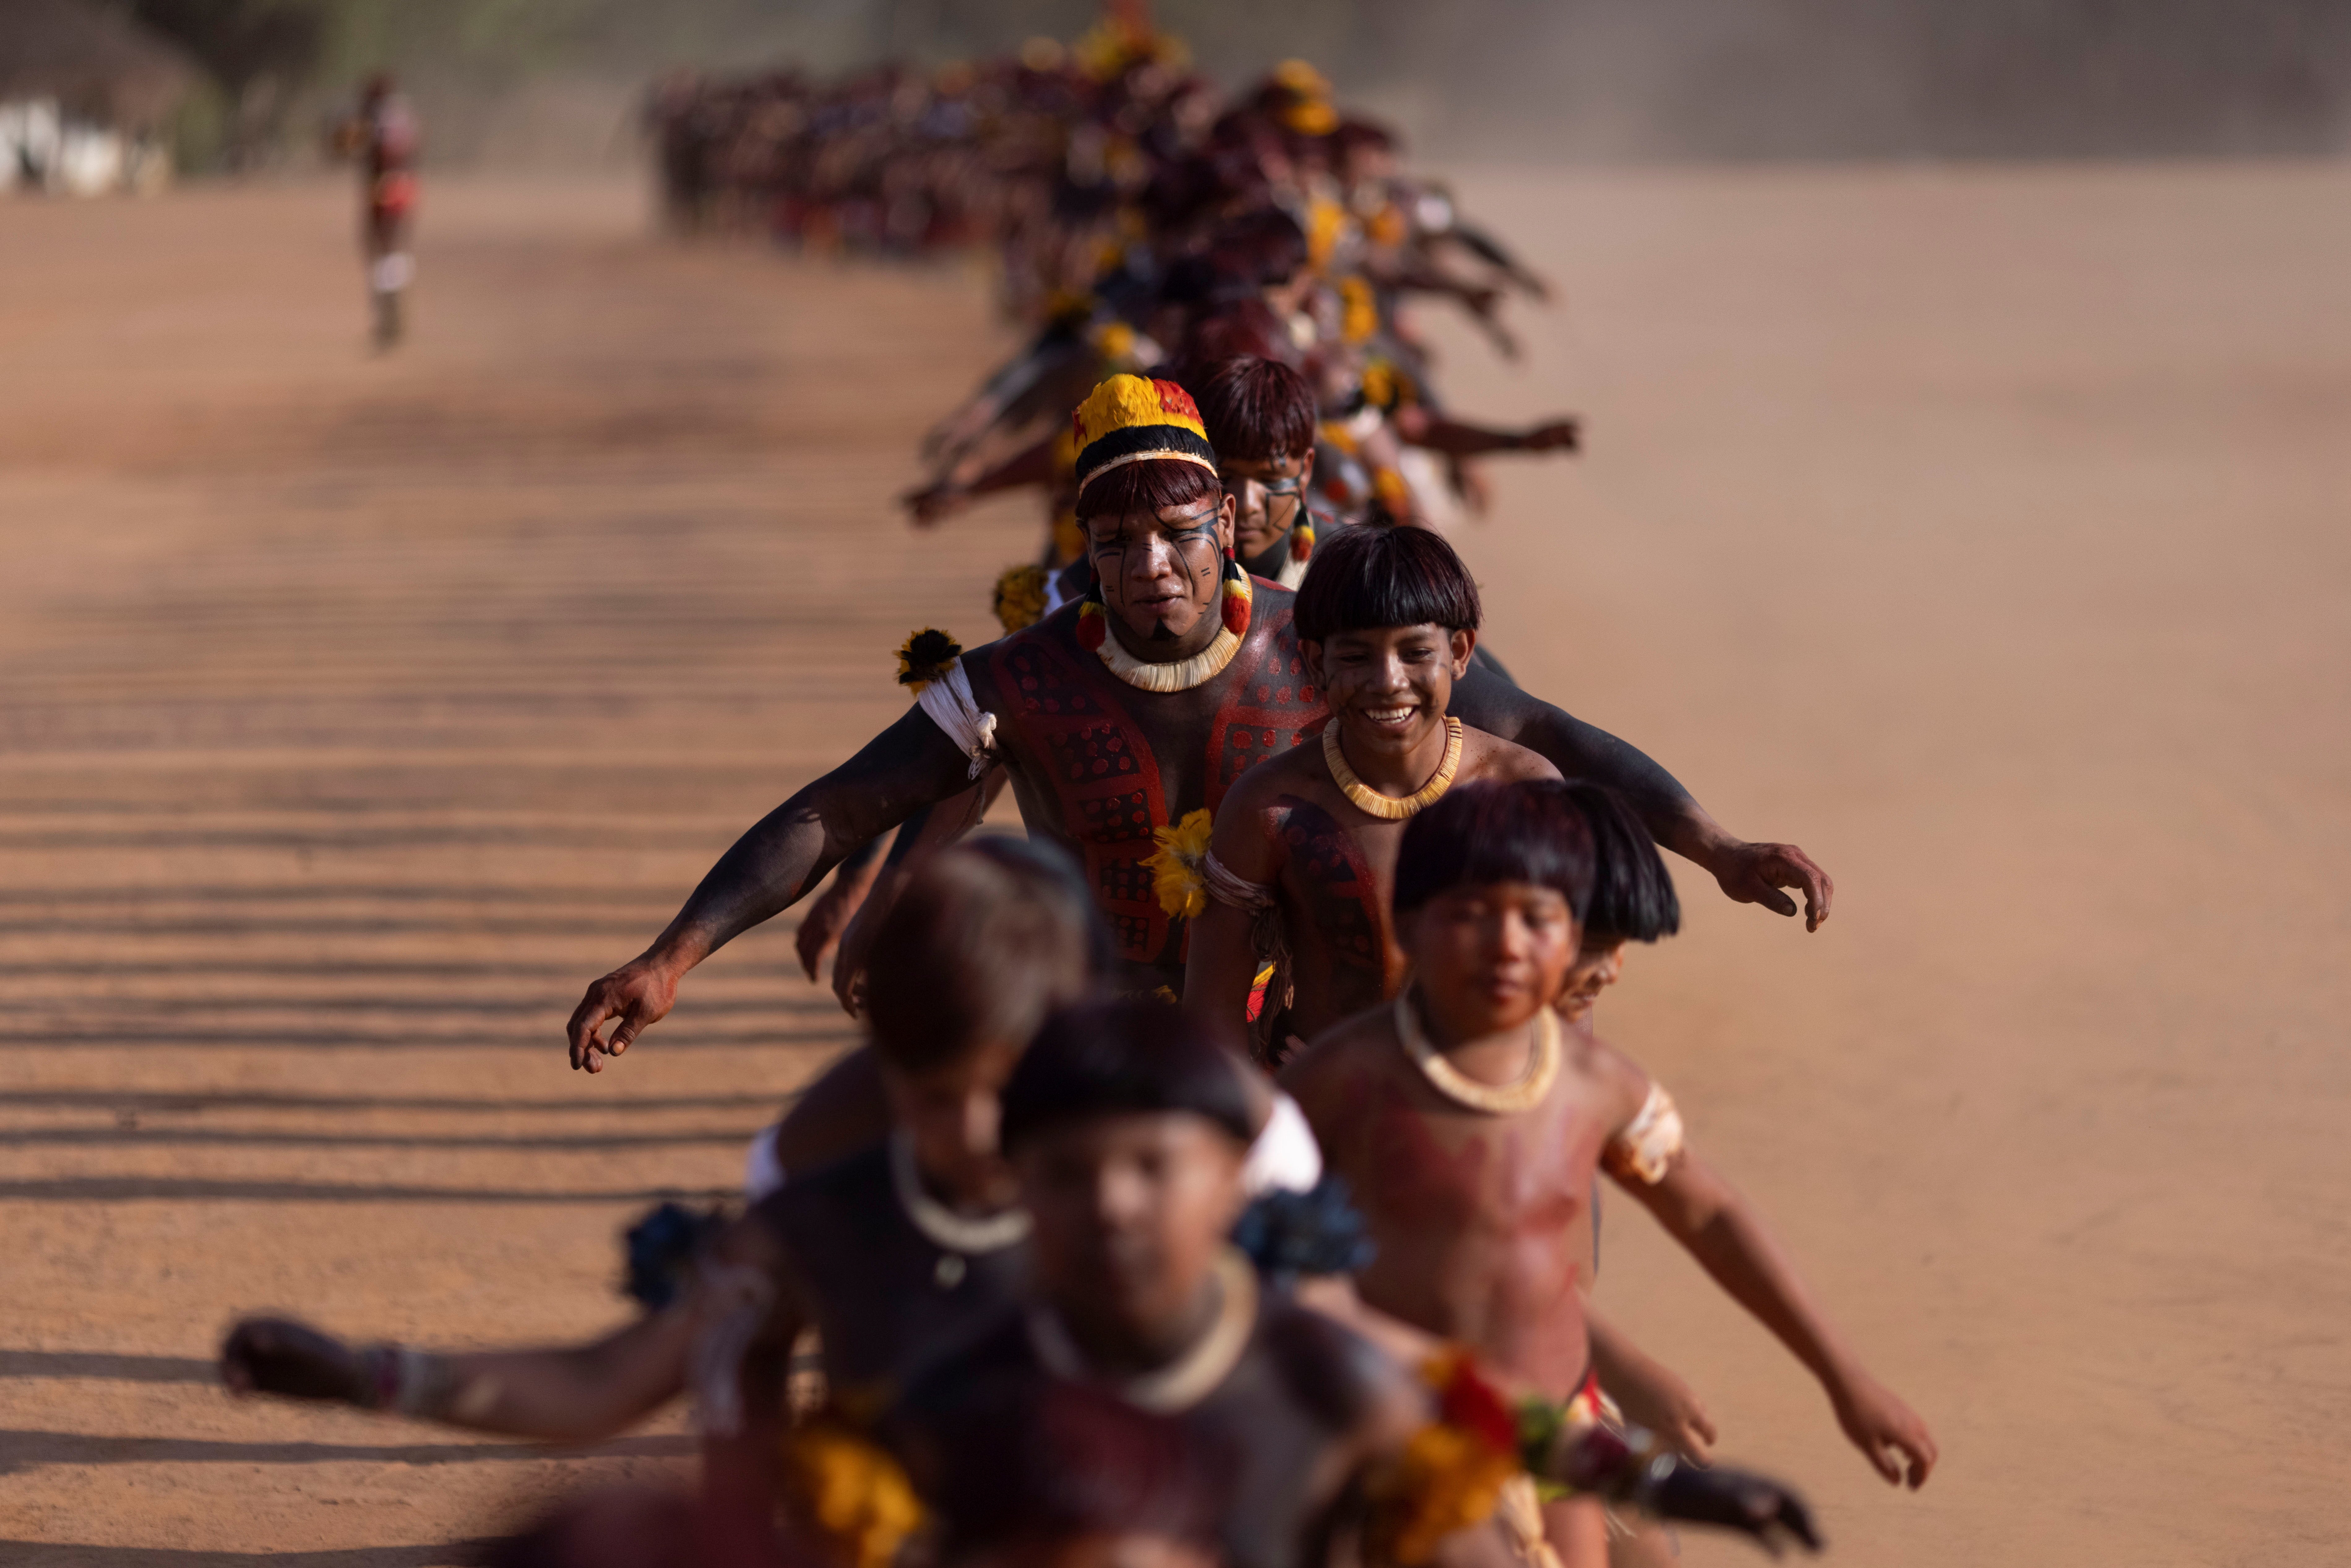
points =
(1217, 1181)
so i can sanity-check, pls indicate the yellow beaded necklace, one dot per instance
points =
(1369, 800)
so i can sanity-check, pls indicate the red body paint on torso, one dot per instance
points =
(1103, 763)
(1476, 1217)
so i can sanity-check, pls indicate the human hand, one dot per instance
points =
(1754, 873)
(1559, 435)
(1756, 1506)
(1656, 1398)
(849, 964)
(639, 994)
(932, 503)
(278, 1356)
(828, 914)
(1889, 1433)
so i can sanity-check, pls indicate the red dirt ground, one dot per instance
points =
(1982, 531)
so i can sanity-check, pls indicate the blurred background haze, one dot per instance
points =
(243, 84)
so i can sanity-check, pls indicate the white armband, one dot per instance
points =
(1285, 1157)
(949, 702)
(1645, 1148)
(763, 1171)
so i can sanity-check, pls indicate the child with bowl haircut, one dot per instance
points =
(1469, 1123)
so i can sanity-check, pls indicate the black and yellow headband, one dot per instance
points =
(1132, 419)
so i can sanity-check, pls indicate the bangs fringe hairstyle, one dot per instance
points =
(1479, 834)
(1114, 1059)
(1023, 1464)
(979, 949)
(1633, 898)
(1257, 410)
(1145, 487)
(1365, 578)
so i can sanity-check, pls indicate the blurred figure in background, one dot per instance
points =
(382, 139)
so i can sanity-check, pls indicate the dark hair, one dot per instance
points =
(1633, 898)
(978, 949)
(1265, 245)
(1257, 410)
(1145, 487)
(1238, 329)
(1479, 834)
(1054, 875)
(1023, 1460)
(1108, 1059)
(1366, 577)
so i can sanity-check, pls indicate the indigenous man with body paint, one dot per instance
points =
(1128, 1125)
(1469, 1125)
(1121, 722)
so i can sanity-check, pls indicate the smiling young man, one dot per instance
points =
(1470, 1126)
(1118, 719)
(1303, 855)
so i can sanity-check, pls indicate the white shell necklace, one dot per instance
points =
(957, 1235)
(1190, 1377)
(1494, 1099)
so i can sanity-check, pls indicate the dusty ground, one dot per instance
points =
(1980, 531)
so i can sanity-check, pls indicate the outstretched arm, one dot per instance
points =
(1728, 1238)
(910, 765)
(1748, 872)
(742, 1289)
(945, 496)
(1651, 1394)
(1458, 438)
(579, 1393)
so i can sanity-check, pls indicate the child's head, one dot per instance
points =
(1261, 419)
(984, 942)
(1128, 1123)
(1492, 886)
(1056, 1474)
(1633, 898)
(1387, 619)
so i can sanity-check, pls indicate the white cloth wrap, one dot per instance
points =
(763, 1172)
(1285, 1157)
(733, 1300)
(1646, 1147)
(949, 702)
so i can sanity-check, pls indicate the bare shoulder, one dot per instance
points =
(1285, 772)
(1489, 756)
(1338, 1054)
(1622, 1083)
(845, 1109)
(1337, 1373)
